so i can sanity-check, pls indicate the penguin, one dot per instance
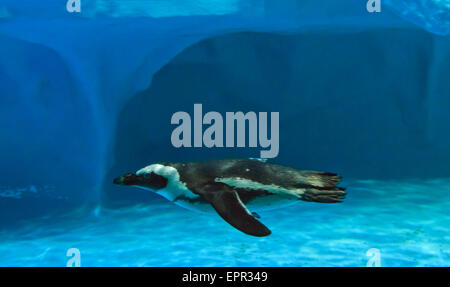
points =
(233, 187)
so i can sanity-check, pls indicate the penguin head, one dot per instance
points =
(145, 178)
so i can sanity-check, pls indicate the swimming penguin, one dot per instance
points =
(234, 186)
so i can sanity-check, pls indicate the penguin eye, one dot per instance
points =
(150, 175)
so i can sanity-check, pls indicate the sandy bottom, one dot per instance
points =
(408, 222)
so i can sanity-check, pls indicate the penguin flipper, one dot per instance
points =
(229, 206)
(256, 215)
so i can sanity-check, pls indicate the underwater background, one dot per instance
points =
(85, 97)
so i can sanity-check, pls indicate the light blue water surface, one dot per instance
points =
(408, 221)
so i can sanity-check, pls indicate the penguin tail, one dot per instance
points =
(323, 188)
(335, 195)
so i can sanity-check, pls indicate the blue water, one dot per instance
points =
(406, 220)
(433, 14)
(86, 97)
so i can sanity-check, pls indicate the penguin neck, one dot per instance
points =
(173, 190)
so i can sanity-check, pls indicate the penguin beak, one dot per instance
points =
(127, 179)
